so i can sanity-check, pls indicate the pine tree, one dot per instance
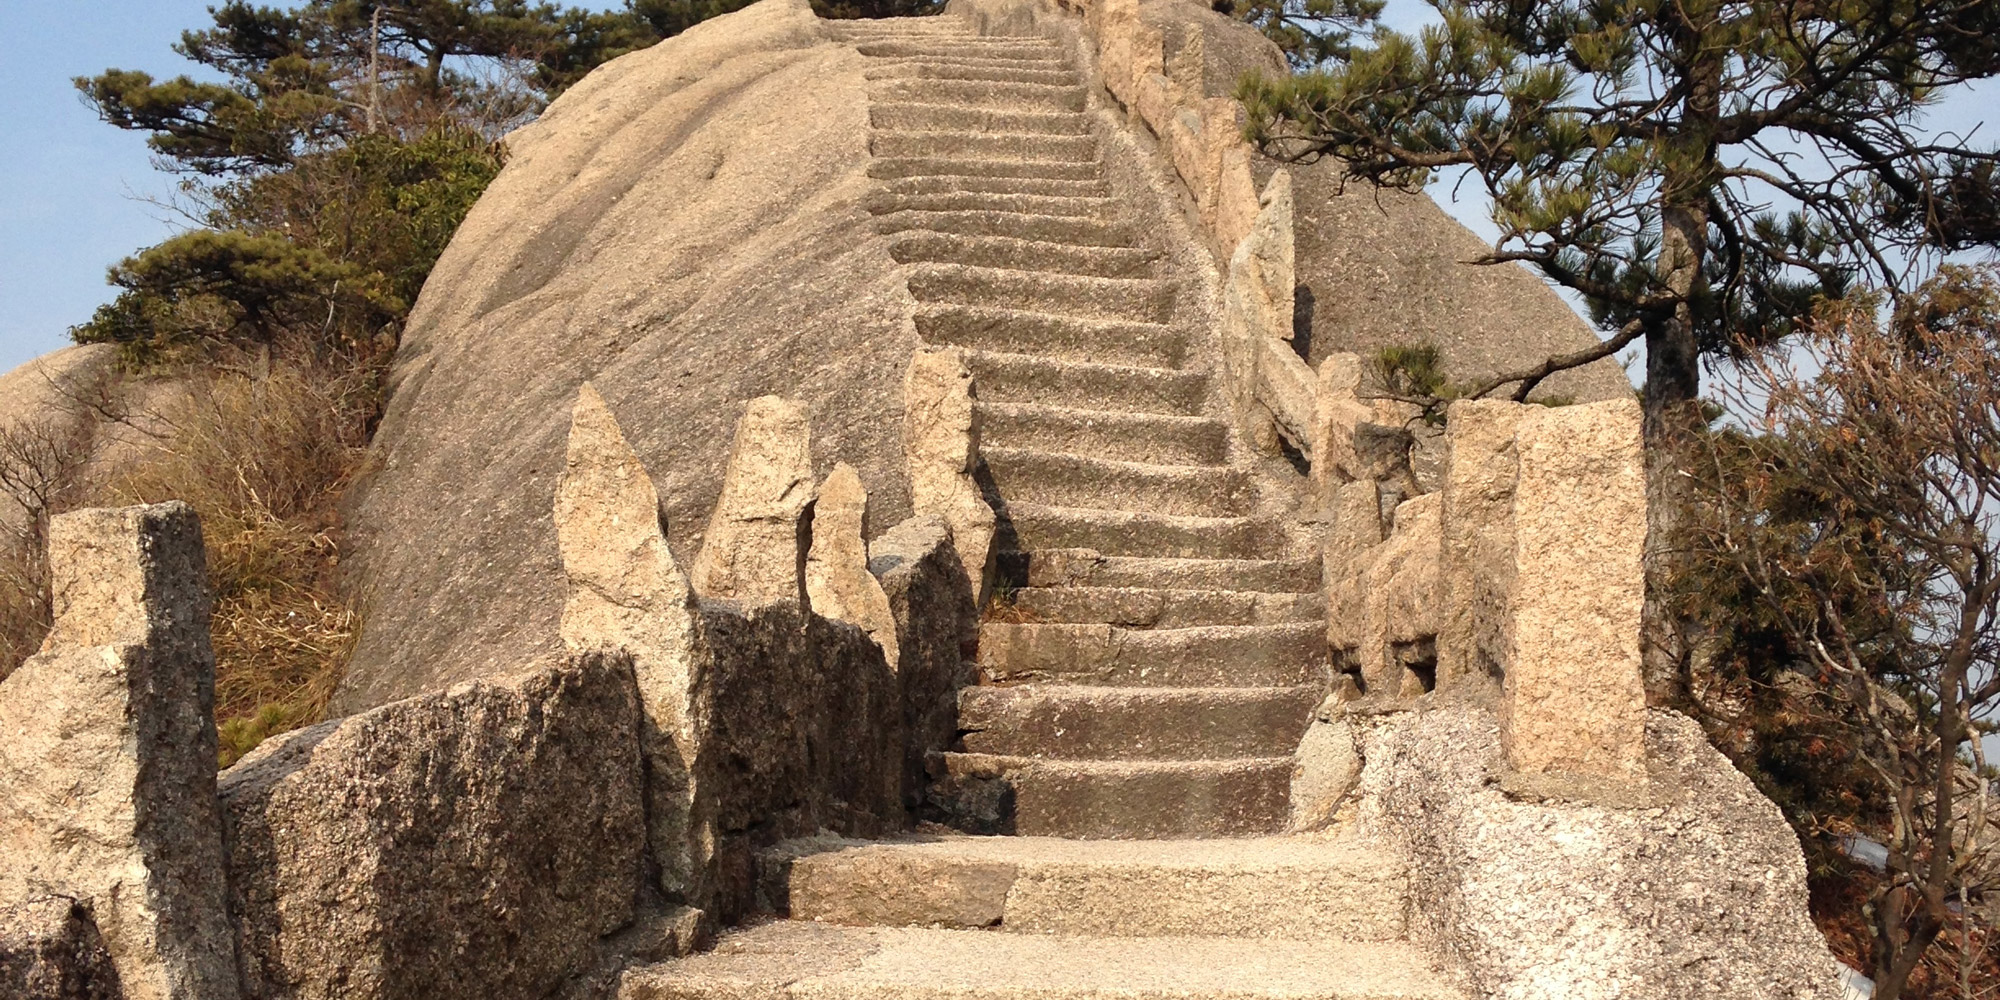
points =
(1700, 171)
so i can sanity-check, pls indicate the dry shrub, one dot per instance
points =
(42, 457)
(262, 451)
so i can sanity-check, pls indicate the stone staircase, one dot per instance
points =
(1159, 649)
(1160, 657)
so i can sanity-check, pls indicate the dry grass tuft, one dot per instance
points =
(1002, 609)
(263, 456)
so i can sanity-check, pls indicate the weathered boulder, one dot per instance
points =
(837, 579)
(755, 548)
(108, 748)
(50, 950)
(1378, 268)
(1325, 768)
(627, 593)
(1701, 895)
(684, 229)
(470, 843)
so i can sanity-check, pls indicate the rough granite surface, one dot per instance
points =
(936, 621)
(807, 735)
(685, 229)
(399, 853)
(1701, 894)
(50, 950)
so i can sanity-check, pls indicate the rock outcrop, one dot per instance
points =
(694, 226)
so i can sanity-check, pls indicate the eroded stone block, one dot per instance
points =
(1401, 603)
(838, 583)
(1349, 549)
(1574, 699)
(627, 593)
(108, 749)
(941, 438)
(754, 551)
(1480, 469)
(1257, 305)
(471, 843)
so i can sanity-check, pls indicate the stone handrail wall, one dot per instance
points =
(1516, 584)
(622, 788)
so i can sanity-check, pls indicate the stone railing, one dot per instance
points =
(1518, 582)
(792, 683)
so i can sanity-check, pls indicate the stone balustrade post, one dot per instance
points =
(108, 753)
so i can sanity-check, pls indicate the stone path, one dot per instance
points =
(1163, 655)
(1167, 656)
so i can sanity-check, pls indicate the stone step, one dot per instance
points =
(981, 93)
(1143, 607)
(1068, 74)
(999, 185)
(1090, 568)
(868, 31)
(1047, 228)
(801, 960)
(913, 117)
(945, 166)
(1009, 377)
(1058, 480)
(919, 69)
(1071, 722)
(1099, 208)
(1137, 300)
(1222, 656)
(1065, 337)
(1158, 438)
(995, 145)
(1027, 527)
(1122, 799)
(916, 246)
(921, 26)
(1035, 52)
(925, 23)
(1313, 887)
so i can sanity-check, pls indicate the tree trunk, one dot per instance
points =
(1673, 365)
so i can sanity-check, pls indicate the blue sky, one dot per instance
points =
(69, 185)
(75, 194)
